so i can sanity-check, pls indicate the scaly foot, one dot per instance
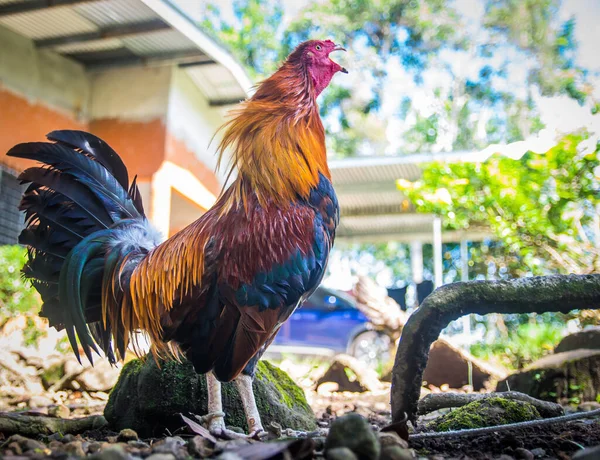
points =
(215, 423)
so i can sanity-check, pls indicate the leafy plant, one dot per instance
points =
(17, 296)
(542, 207)
(521, 345)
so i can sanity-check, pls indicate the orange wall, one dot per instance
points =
(23, 121)
(178, 153)
(140, 144)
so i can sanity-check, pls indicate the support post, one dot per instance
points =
(416, 261)
(437, 252)
(464, 276)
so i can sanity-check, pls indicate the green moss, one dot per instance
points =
(132, 366)
(488, 412)
(149, 398)
(291, 394)
(52, 375)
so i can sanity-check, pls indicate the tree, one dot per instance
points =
(424, 75)
(253, 34)
(541, 207)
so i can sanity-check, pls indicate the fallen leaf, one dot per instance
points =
(295, 448)
(198, 429)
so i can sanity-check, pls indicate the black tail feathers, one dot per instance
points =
(85, 228)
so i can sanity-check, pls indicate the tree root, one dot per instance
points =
(509, 426)
(450, 302)
(435, 401)
(33, 425)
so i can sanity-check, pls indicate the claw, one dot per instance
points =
(215, 423)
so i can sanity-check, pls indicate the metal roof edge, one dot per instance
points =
(188, 27)
(416, 159)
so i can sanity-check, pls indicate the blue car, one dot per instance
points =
(329, 323)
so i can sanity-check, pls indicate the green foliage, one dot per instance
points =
(423, 77)
(521, 345)
(542, 207)
(252, 36)
(17, 296)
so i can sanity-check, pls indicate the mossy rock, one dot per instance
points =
(571, 377)
(149, 399)
(488, 412)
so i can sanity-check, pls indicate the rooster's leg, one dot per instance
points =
(243, 382)
(216, 417)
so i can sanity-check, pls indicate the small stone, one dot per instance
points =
(340, 453)
(126, 435)
(229, 456)
(354, 432)
(24, 443)
(110, 453)
(40, 401)
(392, 439)
(319, 442)
(75, 448)
(169, 445)
(138, 444)
(59, 411)
(16, 448)
(68, 438)
(523, 454)
(200, 447)
(55, 437)
(396, 453)
(161, 457)
(591, 453)
(94, 447)
(55, 445)
(588, 406)
(538, 452)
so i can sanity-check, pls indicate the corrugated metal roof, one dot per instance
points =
(89, 47)
(158, 43)
(50, 23)
(127, 32)
(116, 12)
(371, 205)
(214, 79)
(10, 2)
(387, 224)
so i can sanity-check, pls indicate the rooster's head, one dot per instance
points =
(313, 55)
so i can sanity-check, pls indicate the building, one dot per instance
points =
(141, 75)
(138, 73)
(374, 210)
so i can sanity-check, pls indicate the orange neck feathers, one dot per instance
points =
(276, 138)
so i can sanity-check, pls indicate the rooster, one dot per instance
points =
(217, 291)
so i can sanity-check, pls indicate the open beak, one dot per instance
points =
(340, 48)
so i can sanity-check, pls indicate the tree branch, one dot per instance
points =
(33, 425)
(450, 302)
(435, 401)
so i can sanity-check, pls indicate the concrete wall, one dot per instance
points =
(39, 92)
(132, 93)
(154, 117)
(193, 121)
(43, 77)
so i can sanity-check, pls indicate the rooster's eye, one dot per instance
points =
(318, 47)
